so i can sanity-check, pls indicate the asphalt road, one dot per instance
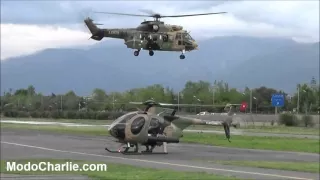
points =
(18, 144)
(233, 131)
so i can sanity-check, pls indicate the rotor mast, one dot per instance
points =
(157, 17)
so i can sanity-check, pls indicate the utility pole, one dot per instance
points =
(250, 101)
(178, 101)
(61, 103)
(2, 101)
(42, 102)
(213, 95)
(298, 103)
(195, 105)
(256, 100)
(112, 102)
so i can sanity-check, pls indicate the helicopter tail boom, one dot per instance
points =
(97, 33)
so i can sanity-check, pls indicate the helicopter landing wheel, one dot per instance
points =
(151, 53)
(182, 56)
(136, 53)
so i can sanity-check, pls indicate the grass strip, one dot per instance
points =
(255, 142)
(259, 127)
(266, 129)
(80, 121)
(312, 167)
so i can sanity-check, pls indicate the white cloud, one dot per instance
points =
(290, 19)
(298, 20)
(17, 40)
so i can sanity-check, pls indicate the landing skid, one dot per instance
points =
(136, 150)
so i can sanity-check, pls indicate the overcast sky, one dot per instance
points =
(30, 26)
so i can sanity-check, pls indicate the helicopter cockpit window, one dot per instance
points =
(154, 127)
(187, 36)
(154, 122)
(178, 36)
(125, 118)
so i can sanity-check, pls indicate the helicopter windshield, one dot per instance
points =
(187, 36)
(123, 119)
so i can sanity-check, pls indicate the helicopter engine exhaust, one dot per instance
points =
(97, 36)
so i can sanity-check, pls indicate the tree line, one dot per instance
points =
(27, 102)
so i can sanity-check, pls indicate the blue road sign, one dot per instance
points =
(277, 100)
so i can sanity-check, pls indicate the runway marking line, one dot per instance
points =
(155, 162)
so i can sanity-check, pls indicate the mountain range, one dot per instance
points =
(240, 61)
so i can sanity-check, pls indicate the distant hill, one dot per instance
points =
(281, 69)
(238, 60)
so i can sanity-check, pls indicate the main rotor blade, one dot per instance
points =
(186, 15)
(124, 14)
(158, 15)
(188, 105)
(157, 104)
(176, 105)
(148, 11)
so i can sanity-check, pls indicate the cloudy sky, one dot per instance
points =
(30, 26)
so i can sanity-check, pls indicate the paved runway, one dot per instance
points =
(17, 144)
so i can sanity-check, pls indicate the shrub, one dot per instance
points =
(102, 115)
(7, 114)
(65, 114)
(35, 114)
(55, 115)
(81, 115)
(44, 114)
(70, 115)
(288, 119)
(272, 122)
(114, 115)
(307, 121)
(23, 114)
(90, 115)
(14, 113)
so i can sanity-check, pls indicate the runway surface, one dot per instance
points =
(233, 131)
(18, 144)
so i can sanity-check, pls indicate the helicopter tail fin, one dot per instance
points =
(97, 33)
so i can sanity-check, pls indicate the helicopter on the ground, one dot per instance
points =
(149, 35)
(149, 129)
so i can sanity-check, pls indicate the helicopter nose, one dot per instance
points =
(118, 131)
(195, 45)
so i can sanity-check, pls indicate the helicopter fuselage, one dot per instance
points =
(149, 35)
(155, 41)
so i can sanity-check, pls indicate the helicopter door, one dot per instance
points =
(160, 40)
(179, 38)
(165, 38)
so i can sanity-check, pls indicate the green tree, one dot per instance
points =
(71, 101)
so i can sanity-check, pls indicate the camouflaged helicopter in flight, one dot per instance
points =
(146, 128)
(149, 35)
